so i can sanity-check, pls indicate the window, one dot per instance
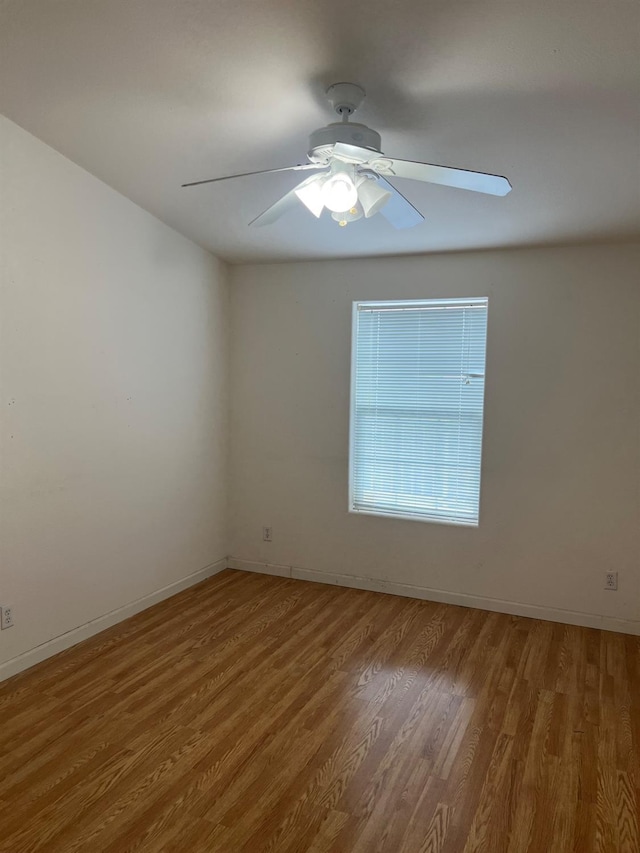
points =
(417, 398)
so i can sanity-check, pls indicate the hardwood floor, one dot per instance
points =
(252, 713)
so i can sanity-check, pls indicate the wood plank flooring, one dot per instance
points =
(253, 714)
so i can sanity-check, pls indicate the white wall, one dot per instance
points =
(113, 401)
(561, 467)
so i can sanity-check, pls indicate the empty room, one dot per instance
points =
(320, 426)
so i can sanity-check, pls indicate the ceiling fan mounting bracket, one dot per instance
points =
(345, 98)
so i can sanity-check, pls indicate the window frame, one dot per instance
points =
(399, 303)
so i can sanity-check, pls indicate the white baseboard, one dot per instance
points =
(261, 568)
(83, 632)
(514, 608)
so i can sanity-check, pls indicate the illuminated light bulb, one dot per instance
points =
(342, 222)
(339, 193)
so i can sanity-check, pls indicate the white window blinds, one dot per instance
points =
(417, 399)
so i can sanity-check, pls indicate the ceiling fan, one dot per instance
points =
(351, 173)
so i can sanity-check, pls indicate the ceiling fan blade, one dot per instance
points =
(283, 205)
(446, 175)
(278, 209)
(398, 210)
(300, 168)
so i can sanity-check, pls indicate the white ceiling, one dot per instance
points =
(148, 94)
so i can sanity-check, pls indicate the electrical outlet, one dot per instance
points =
(611, 580)
(267, 534)
(6, 616)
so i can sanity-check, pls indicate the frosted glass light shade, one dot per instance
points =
(372, 197)
(310, 194)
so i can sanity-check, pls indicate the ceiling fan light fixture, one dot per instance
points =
(372, 196)
(346, 216)
(310, 194)
(339, 192)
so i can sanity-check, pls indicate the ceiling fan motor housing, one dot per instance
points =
(321, 141)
